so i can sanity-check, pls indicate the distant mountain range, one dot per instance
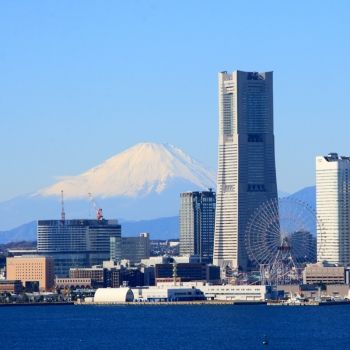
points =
(141, 183)
(161, 228)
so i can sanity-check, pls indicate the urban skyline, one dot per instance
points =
(144, 204)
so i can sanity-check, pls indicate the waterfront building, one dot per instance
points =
(113, 295)
(133, 249)
(31, 270)
(76, 243)
(197, 222)
(333, 208)
(225, 292)
(246, 161)
(236, 293)
(167, 293)
(11, 286)
(323, 274)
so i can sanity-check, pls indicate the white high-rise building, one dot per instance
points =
(246, 165)
(333, 208)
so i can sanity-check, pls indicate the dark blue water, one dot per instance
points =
(174, 327)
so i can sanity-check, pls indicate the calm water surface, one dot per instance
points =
(174, 327)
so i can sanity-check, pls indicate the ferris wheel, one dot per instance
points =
(281, 239)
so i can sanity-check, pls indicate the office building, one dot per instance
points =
(333, 209)
(188, 272)
(108, 276)
(246, 161)
(197, 222)
(31, 270)
(133, 249)
(96, 275)
(76, 243)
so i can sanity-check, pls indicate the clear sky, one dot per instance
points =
(81, 81)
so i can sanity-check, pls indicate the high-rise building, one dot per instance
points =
(303, 245)
(197, 222)
(246, 160)
(333, 209)
(76, 243)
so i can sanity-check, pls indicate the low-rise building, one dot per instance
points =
(113, 295)
(236, 293)
(10, 286)
(167, 293)
(31, 269)
(113, 275)
(225, 292)
(323, 274)
(67, 283)
(95, 274)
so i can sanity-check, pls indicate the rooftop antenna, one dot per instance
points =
(63, 214)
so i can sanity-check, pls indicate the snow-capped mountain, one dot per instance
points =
(143, 182)
(138, 171)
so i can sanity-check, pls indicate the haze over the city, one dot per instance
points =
(82, 81)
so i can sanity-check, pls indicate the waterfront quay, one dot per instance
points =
(172, 303)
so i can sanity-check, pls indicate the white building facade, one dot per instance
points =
(333, 209)
(227, 292)
(246, 162)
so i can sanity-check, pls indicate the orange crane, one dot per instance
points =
(99, 213)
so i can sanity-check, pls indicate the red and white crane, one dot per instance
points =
(99, 213)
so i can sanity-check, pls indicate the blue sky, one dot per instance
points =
(81, 81)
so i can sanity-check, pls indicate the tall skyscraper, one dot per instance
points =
(197, 220)
(333, 208)
(246, 168)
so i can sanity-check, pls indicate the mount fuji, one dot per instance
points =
(143, 182)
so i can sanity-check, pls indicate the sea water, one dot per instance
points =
(200, 327)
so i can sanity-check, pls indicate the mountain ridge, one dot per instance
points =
(141, 183)
(137, 171)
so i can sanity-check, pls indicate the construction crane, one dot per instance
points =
(99, 213)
